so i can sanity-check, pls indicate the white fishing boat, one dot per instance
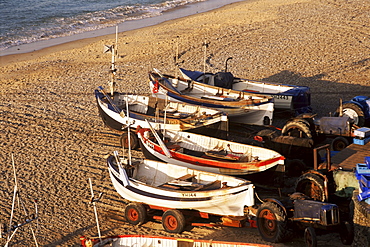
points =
(207, 153)
(241, 107)
(158, 241)
(292, 98)
(121, 109)
(177, 187)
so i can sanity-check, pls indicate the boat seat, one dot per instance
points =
(186, 177)
(211, 186)
(173, 146)
(181, 183)
(222, 155)
(169, 186)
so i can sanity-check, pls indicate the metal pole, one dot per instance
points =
(129, 132)
(95, 211)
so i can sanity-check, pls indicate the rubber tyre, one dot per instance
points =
(173, 221)
(297, 128)
(310, 238)
(354, 112)
(311, 185)
(135, 213)
(272, 222)
(124, 140)
(339, 143)
(295, 167)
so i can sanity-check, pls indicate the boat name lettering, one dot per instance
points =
(188, 194)
(284, 97)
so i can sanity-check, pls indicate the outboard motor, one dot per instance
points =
(224, 80)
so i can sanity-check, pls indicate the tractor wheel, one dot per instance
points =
(295, 167)
(173, 221)
(310, 238)
(134, 141)
(339, 143)
(135, 213)
(297, 128)
(272, 223)
(354, 112)
(311, 185)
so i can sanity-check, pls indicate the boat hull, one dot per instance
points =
(228, 201)
(114, 119)
(240, 107)
(286, 97)
(195, 159)
(158, 241)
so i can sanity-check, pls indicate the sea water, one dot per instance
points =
(28, 21)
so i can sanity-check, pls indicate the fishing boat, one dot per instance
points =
(206, 153)
(287, 97)
(161, 113)
(241, 107)
(158, 241)
(172, 186)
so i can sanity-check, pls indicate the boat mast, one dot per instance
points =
(113, 70)
(205, 44)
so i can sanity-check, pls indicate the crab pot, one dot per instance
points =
(326, 214)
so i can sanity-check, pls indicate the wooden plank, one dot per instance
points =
(351, 155)
(168, 186)
(211, 186)
(185, 177)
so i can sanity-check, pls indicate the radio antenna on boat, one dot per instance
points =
(128, 132)
(112, 49)
(165, 115)
(205, 44)
(177, 56)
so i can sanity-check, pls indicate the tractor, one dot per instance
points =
(358, 109)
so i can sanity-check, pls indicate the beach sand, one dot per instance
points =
(50, 123)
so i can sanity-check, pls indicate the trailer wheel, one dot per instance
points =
(135, 213)
(272, 223)
(310, 238)
(339, 143)
(297, 128)
(347, 232)
(133, 139)
(354, 112)
(173, 221)
(311, 185)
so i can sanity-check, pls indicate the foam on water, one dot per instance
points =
(27, 21)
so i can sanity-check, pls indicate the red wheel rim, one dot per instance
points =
(133, 215)
(171, 222)
(269, 222)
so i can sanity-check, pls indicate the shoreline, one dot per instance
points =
(126, 26)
